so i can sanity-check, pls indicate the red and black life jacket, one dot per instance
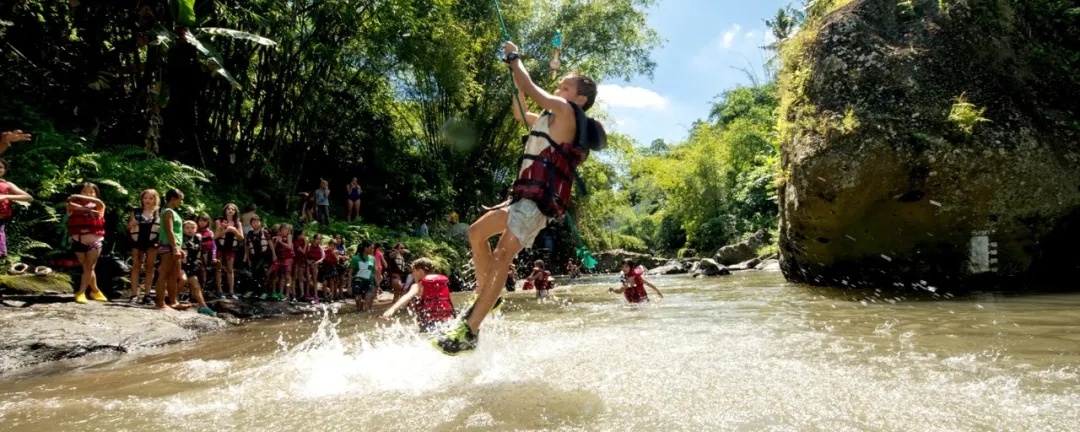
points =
(5, 205)
(636, 292)
(258, 242)
(434, 305)
(86, 221)
(228, 242)
(549, 179)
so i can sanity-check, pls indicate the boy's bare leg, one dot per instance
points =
(196, 291)
(504, 254)
(490, 224)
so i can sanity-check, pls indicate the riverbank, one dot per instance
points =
(44, 329)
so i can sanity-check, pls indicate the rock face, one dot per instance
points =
(48, 332)
(743, 250)
(671, 268)
(890, 177)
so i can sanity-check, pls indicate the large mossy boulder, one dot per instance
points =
(932, 141)
(34, 285)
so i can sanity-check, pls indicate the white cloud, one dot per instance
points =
(750, 34)
(614, 95)
(729, 36)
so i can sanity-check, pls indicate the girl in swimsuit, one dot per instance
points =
(143, 226)
(354, 199)
(8, 193)
(229, 236)
(209, 249)
(86, 226)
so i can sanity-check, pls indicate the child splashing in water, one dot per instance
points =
(86, 226)
(429, 294)
(541, 280)
(230, 238)
(559, 140)
(634, 283)
(143, 227)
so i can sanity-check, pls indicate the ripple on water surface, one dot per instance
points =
(745, 352)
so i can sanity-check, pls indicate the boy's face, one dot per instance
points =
(189, 229)
(568, 89)
(625, 268)
(256, 224)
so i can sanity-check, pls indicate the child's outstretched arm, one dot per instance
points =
(654, 288)
(404, 300)
(547, 101)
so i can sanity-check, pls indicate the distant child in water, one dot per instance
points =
(430, 297)
(541, 280)
(633, 287)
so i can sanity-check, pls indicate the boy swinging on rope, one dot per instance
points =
(559, 140)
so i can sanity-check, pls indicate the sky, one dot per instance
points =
(705, 43)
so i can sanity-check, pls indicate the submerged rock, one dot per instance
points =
(921, 144)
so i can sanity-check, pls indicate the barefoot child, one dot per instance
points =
(258, 254)
(430, 297)
(170, 250)
(365, 276)
(230, 238)
(86, 226)
(634, 282)
(189, 268)
(143, 227)
(560, 139)
(283, 263)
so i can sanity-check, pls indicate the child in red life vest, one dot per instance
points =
(430, 297)
(559, 140)
(8, 193)
(282, 269)
(541, 280)
(633, 287)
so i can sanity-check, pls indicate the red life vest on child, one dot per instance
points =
(207, 237)
(331, 255)
(300, 247)
(284, 251)
(86, 221)
(434, 301)
(636, 292)
(544, 283)
(5, 205)
(314, 252)
(547, 181)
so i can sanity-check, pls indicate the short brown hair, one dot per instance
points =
(586, 87)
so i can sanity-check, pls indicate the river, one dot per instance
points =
(741, 352)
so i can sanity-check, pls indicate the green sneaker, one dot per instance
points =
(456, 340)
(472, 303)
(207, 311)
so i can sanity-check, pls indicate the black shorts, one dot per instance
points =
(362, 287)
(327, 272)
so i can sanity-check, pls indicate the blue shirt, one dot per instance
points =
(320, 198)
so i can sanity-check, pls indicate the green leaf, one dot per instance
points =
(163, 96)
(237, 34)
(162, 37)
(183, 11)
(115, 184)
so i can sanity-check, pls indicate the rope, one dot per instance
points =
(583, 252)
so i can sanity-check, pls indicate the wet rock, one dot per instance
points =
(37, 333)
(743, 250)
(709, 267)
(254, 309)
(667, 269)
(891, 176)
(749, 264)
(765, 263)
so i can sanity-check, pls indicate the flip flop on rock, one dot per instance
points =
(42, 271)
(18, 268)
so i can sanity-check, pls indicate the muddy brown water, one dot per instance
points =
(741, 352)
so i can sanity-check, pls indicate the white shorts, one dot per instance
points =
(525, 221)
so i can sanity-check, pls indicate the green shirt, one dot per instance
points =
(365, 269)
(177, 225)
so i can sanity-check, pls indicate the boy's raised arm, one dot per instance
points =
(547, 101)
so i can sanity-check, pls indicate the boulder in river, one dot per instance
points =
(709, 267)
(38, 333)
(749, 264)
(670, 268)
(768, 265)
(936, 141)
(611, 261)
(743, 250)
